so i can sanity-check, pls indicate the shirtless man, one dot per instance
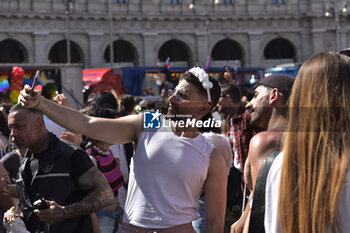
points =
(268, 110)
(170, 168)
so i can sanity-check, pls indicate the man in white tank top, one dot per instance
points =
(171, 167)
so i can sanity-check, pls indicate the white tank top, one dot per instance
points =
(271, 221)
(167, 174)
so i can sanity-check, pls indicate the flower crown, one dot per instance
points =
(203, 78)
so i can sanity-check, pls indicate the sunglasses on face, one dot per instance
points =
(178, 98)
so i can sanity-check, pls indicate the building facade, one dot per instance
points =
(249, 33)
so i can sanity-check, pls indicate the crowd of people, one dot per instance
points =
(279, 162)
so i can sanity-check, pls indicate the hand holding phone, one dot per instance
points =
(40, 203)
(34, 81)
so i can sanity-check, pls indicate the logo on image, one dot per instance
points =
(151, 119)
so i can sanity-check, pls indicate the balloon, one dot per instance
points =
(17, 72)
(16, 78)
(14, 96)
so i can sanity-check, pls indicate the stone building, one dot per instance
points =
(254, 33)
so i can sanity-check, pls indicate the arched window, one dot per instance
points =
(11, 51)
(227, 52)
(176, 50)
(58, 53)
(123, 52)
(279, 49)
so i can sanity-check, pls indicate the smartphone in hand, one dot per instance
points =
(34, 81)
(40, 204)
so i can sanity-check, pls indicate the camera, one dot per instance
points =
(40, 203)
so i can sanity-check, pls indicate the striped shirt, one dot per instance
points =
(108, 166)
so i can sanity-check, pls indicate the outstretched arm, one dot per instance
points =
(99, 196)
(215, 193)
(113, 131)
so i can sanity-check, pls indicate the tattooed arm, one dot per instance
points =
(99, 195)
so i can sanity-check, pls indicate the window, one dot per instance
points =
(172, 1)
(278, 1)
(118, 1)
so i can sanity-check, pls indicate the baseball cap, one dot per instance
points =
(282, 82)
(345, 52)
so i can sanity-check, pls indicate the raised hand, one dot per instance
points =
(62, 100)
(29, 100)
(69, 136)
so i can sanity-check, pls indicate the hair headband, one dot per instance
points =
(203, 78)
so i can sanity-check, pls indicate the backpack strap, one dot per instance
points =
(257, 215)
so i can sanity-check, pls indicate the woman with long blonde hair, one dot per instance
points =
(310, 180)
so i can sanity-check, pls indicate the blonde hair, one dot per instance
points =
(317, 145)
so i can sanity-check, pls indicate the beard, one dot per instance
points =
(258, 116)
(222, 111)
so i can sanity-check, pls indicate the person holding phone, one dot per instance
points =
(171, 165)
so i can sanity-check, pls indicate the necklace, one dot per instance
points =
(99, 150)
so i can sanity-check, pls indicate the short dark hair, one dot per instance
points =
(215, 91)
(232, 90)
(128, 102)
(97, 112)
(103, 99)
(101, 112)
(161, 105)
(17, 107)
